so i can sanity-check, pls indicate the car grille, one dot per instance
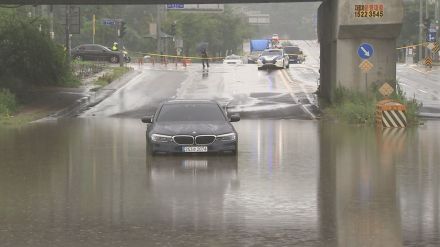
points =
(204, 140)
(184, 140)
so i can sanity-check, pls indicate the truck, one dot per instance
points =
(256, 47)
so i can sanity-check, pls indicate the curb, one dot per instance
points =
(84, 103)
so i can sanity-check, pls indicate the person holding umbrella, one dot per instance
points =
(205, 58)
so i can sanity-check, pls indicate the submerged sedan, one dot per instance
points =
(191, 126)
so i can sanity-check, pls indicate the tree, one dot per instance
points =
(23, 47)
(222, 31)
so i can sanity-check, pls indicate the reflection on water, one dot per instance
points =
(90, 183)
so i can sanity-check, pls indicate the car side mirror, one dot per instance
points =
(235, 118)
(147, 119)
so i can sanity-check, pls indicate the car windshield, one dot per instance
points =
(272, 53)
(190, 112)
(292, 50)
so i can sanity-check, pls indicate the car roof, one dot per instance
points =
(190, 101)
(91, 45)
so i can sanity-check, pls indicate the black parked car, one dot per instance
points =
(191, 126)
(95, 53)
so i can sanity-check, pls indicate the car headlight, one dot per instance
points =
(227, 137)
(161, 138)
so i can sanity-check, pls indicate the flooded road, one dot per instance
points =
(89, 182)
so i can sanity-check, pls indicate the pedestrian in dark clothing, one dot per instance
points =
(205, 59)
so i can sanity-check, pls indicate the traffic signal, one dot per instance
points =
(122, 29)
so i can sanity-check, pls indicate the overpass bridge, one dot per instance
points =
(340, 32)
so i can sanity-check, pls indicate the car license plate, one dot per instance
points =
(198, 149)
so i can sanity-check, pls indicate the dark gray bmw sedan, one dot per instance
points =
(191, 126)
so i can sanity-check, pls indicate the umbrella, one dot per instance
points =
(202, 46)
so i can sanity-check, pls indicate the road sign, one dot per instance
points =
(436, 47)
(259, 19)
(428, 61)
(386, 90)
(109, 22)
(431, 37)
(366, 66)
(176, 6)
(74, 13)
(365, 51)
(204, 8)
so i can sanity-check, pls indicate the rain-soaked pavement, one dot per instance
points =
(244, 89)
(88, 182)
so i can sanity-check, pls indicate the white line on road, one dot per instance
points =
(286, 81)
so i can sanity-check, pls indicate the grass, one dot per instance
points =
(359, 108)
(8, 103)
(22, 118)
(113, 74)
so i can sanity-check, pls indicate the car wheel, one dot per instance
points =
(288, 66)
(114, 59)
(259, 68)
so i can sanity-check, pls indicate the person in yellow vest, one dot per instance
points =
(115, 46)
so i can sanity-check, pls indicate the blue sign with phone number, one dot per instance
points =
(176, 6)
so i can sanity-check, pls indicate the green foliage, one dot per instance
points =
(8, 103)
(29, 57)
(352, 107)
(112, 75)
(410, 27)
(412, 106)
(222, 31)
(359, 108)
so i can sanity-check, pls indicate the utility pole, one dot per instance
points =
(420, 30)
(427, 28)
(158, 17)
(51, 31)
(67, 32)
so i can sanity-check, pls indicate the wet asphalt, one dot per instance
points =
(89, 182)
(244, 89)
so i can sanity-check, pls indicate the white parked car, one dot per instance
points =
(233, 59)
(273, 58)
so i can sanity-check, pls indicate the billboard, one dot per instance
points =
(196, 7)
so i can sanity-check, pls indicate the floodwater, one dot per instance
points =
(89, 182)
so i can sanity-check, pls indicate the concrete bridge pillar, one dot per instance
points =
(341, 32)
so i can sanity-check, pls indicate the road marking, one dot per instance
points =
(421, 91)
(286, 81)
(420, 71)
